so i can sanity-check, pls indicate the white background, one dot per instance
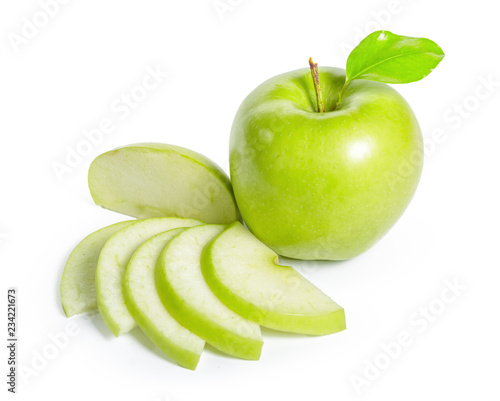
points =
(66, 78)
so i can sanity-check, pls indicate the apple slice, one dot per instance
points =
(158, 180)
(144, 304)
(187, 297)
(78, 280)
(243, 273)
(113, 260)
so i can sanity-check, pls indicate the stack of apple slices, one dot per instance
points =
(185, 283)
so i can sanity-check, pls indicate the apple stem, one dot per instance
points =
(317, 86)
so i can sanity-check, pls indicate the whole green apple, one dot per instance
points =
(329, 185)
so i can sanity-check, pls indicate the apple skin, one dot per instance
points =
(323, 185)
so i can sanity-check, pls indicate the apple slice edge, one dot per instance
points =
(270, 316)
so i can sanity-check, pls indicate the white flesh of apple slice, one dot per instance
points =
(156, 180)
(113, 260)
(144, 304)
(78, 280)
(244, 274)
(188, 298)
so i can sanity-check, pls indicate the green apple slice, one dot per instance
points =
(158, 180)
(244, 274)
(144, 304)
(113, 260)
(188, 298)
(78, 280)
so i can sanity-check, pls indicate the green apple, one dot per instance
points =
(244, 274)
(323, 185)
(158, 180)
(78, 280)
(144, 304)
(325, 161)
(113, 260)
(187, 297)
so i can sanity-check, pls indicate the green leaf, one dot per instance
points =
(385, 57)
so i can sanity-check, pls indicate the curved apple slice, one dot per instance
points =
(243, 273)
(78, 279)
(144, 304)
(157, 180)
(113, 260)
(188, 298)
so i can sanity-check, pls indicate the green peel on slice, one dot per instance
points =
(78, 280)
(245, 276)
(187, 297)
(113, 260)
(158, 180)
(144, 304)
